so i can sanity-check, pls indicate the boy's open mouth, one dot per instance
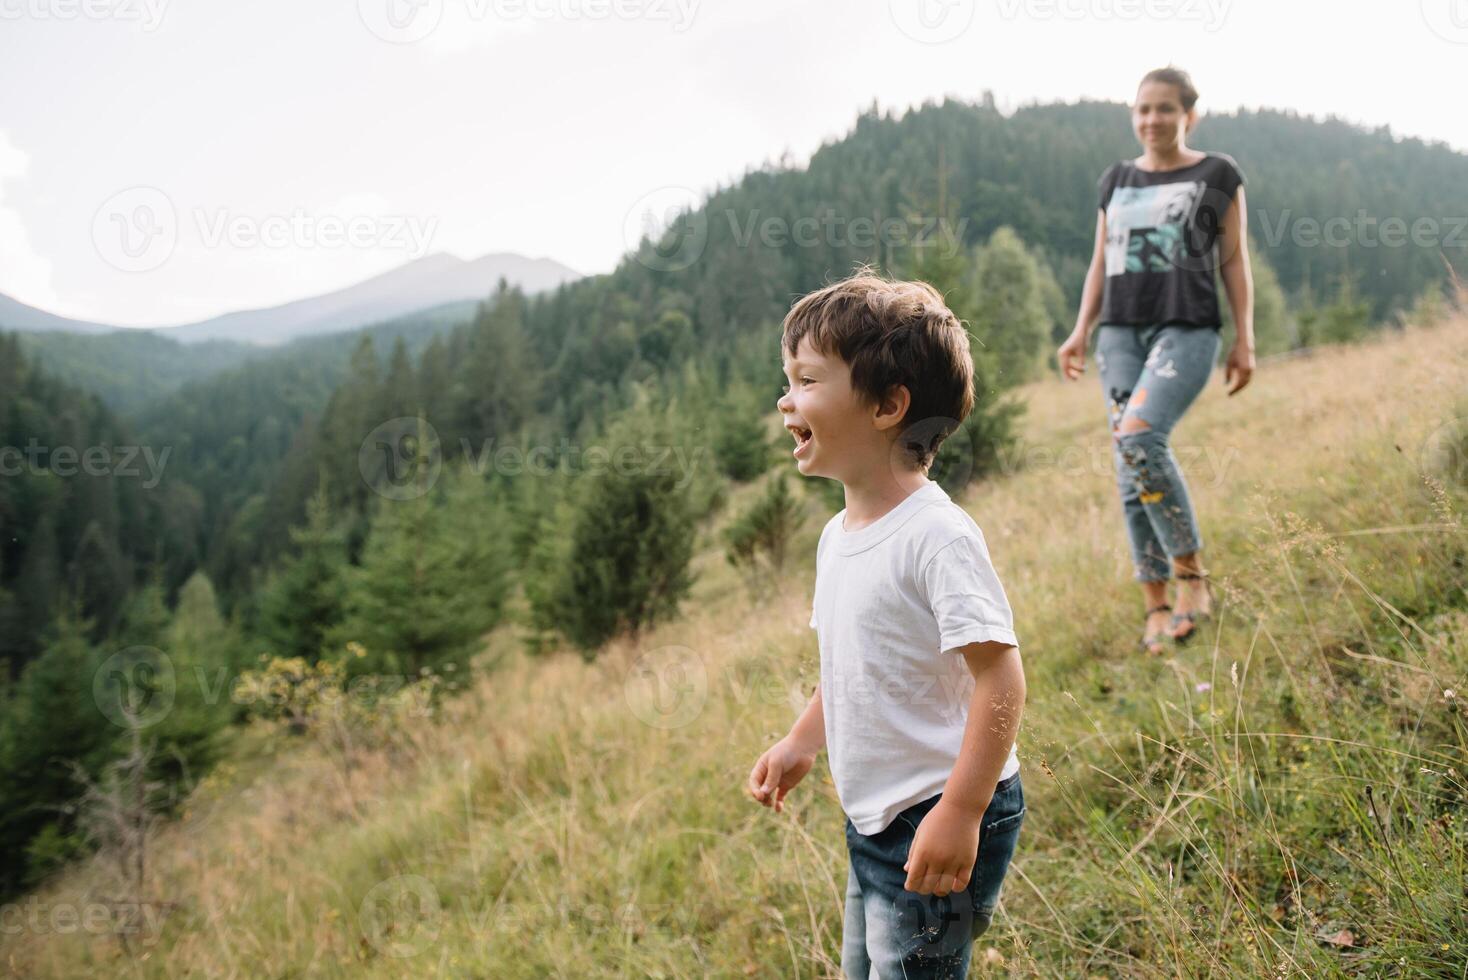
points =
(802, 438)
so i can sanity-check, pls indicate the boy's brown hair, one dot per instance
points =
(892, 332)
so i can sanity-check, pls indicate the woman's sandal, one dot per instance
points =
(1196, 616)
(1149, 641)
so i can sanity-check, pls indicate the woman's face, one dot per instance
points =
(1158, 118)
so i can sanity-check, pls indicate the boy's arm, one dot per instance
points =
(786, 762)
(941, 857)
(993, 721)
(809, 730)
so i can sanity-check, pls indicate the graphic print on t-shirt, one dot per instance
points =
(1145, 226)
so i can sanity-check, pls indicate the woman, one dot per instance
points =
(1169, 220)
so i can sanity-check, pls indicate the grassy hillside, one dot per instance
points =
(1283, 797)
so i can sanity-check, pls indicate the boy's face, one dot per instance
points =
(847, 438)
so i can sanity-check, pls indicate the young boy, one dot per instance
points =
(921, 685)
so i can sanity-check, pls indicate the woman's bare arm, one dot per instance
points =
(1071, 356)
(1095, 280)
(1238, 281)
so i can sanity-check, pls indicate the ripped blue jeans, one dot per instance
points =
(1153, 374)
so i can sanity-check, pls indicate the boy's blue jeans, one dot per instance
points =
(890, 932)
(1153, 373)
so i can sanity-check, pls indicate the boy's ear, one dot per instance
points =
(893, 406)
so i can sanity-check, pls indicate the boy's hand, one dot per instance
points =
(782, 766)
(943, 851)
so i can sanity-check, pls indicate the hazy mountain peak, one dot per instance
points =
(429, 281)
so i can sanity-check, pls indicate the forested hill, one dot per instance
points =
(1035, 170)
(727, 271)
(266, 499)
(86, 509)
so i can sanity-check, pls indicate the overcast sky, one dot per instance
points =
(166, 160)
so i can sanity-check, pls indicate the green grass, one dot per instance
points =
(1282, 797)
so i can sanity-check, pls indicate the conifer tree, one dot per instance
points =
(51, 717)
(1010, 319)
(741, 437)
(632, 537)
(303, 598)
(400, 390)
(757, 541)
(354, 411)
(433, 578)
(496, 383)
(975, 447)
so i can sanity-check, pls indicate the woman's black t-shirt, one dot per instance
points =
(1161, 234)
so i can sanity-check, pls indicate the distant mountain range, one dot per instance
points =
(423, 283)
(15, 315)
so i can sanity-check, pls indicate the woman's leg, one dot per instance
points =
(1120, 359)
(1178, 364)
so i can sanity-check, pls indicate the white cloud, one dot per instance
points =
(24, 275)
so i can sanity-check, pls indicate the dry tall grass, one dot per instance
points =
(1280, 798)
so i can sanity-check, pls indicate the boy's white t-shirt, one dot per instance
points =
(893, 603)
